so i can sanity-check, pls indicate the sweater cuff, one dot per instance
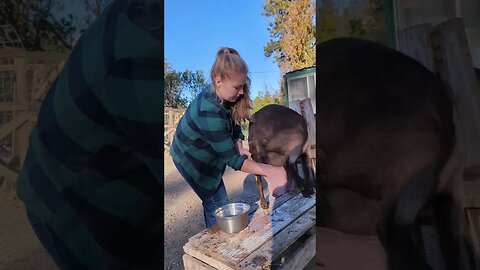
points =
(237, 165)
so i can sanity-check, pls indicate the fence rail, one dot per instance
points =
(171, 118)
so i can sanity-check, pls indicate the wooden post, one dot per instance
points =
(304, 108)
(307, 112)
(454, 63)
(170, 125)
(171, 118)
(444, 48)
(23, 130)
(415, 42)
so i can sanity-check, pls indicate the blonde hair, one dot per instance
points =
(228, 61)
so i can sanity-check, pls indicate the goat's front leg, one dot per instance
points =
(263, 202)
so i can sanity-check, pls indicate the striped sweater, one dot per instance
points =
(203, 144)
(93, 173)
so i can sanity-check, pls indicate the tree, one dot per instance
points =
(292, 33)
(299, 36)
(181, 87)
(363, 19)
(278, 10)
(94, 8)
(45, 25)
(192, 82)
(173, 89)
(327, 21)
(37, 27)
(281, 94)
(265, 98)
(375, 21)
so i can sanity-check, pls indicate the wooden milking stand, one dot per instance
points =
(282, 236)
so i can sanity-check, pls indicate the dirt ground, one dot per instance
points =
(19, 247)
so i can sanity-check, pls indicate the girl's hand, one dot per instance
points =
(241, 150)
(245, 152)
(276, 178)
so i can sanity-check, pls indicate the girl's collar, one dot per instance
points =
(211, 95)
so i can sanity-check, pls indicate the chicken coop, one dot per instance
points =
(299, 85)
(25, 77)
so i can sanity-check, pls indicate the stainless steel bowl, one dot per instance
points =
(232, 217)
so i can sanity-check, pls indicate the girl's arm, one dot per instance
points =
(275, 176)
(241, 150)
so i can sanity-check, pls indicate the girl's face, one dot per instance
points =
(230, 88)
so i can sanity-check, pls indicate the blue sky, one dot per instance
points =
(195, 30)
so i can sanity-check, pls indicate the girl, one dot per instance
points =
(209, 137)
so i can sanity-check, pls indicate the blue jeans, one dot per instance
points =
(218, 199)
(211, 199)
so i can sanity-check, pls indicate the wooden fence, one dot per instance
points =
(24, 79)
(171, 118)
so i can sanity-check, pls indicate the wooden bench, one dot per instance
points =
(282, 236)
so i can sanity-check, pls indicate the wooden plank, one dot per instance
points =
(46, 57)
(472, 173)
(47, 78)
(302, 256)
(171, 118)
(473, 217)
(13, 106)
(21, 75)
(9, 182)
(274, 203)
(7, 67)
(269, 251)
(7, 172)
(11, 125)
(304, 108)
(231, 249)
(21, 135)
(190, 263)
(22, 138)
(415, 42)
(193, 252)
(307, 113)
(454, 63)
(39, 74)
(471, 193)
(12, 53)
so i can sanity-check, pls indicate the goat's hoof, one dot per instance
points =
(264, 205)
(307, 192)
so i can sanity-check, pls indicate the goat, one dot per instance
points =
(385, 130)
(277, 136)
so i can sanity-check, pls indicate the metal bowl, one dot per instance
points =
(232, 217)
